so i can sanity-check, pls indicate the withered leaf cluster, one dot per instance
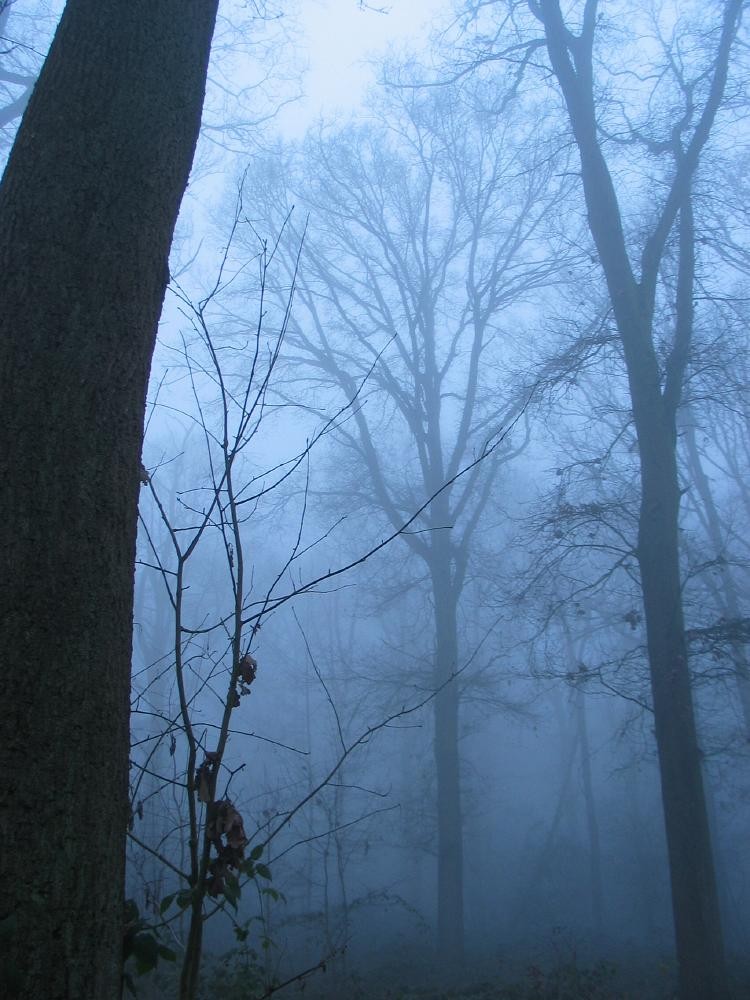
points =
(226, 832)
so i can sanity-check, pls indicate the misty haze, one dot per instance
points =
(374, 481)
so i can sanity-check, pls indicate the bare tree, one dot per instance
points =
(19, 65)
(681, 107)
(426, 239)
(196, 543)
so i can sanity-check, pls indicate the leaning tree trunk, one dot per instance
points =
(88, 206)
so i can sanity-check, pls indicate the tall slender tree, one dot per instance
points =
(88, 205)
(696, 88)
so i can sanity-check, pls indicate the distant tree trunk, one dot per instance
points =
(592, 823)
(700, 950)
(88, 205)
(561, 768)
(727, 592)
(450, 892)
(639, 836)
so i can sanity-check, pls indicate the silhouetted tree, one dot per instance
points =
(692, 88)
(426, 237)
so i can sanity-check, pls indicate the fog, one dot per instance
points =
(397, 612)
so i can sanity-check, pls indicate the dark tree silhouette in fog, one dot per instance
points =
(697, 91)
(88, 204)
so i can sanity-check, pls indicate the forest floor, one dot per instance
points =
(566, 981)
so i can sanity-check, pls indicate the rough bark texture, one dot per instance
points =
(88, 205)
(700, 952)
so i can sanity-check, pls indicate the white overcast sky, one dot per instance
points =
(337, 37)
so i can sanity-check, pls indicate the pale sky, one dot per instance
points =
(337, 37)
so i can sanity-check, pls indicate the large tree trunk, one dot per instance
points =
(88, 205)
(450, 894)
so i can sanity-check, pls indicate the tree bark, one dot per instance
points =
(694, 894)
(88, 205)
(699, 941)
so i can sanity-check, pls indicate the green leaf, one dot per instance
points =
(263, 871)
(274, 894)
(167, 954)
(257, 852)
(166, 903)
